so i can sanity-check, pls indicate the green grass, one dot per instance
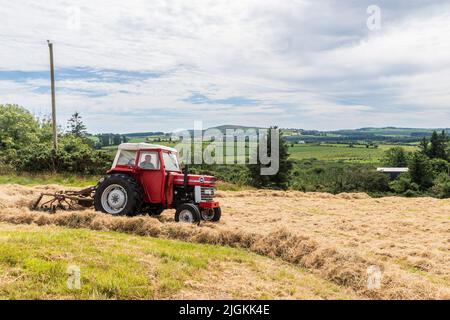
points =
(112, 265)
(49, 178)
(335, 153)
(341, 152)
(34, 264)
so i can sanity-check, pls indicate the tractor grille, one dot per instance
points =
(207, 194)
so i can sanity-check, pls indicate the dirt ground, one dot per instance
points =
(341, 237)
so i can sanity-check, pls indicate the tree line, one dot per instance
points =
(76, 127)
(429, 168)
(26, 146)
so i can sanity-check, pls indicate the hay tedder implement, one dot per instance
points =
(65, 200)
(144, 178)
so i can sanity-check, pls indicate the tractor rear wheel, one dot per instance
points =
(118, 194)
(188, 213)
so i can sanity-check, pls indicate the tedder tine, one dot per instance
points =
(65, 200)
(36, 203)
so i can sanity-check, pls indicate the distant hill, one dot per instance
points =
(368, 134)
(234, 127)
(144, 134)
(378, 135)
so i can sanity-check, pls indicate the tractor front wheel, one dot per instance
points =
(188, 213)
(118, 194)
(211, 214)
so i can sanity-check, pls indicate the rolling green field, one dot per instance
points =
(325, 152)
(341, 152)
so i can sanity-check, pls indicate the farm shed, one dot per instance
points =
(393, 172)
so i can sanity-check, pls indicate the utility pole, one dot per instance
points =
(52, 75)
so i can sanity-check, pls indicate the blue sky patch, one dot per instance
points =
(86, 74)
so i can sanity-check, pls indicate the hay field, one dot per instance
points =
(407, 237)
(34, 260)
(338, 238)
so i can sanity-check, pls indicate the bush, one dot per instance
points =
(442, 186)
(280, 180)
(18, 128)
(439, 166)
(26, 145)
(404, 184)
(237, 174)
(73, 155)
(372, 181)
(395, 157)
(318, 170)
(336, 177)
(359, 179)
(420, 170)
(410, 193)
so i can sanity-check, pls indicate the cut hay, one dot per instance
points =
(332, 236)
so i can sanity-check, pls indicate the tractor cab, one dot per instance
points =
(147, 178)
(145, 156)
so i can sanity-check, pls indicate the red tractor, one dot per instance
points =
(146, 178)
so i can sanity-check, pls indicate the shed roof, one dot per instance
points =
(393, 170)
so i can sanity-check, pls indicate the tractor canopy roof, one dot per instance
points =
(143, 146)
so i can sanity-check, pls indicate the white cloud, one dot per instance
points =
(307, 63)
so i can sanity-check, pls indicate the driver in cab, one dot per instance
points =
(147, 163)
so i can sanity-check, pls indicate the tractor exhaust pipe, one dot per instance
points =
(186, 172)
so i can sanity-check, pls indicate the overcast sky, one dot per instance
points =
(150, 65)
